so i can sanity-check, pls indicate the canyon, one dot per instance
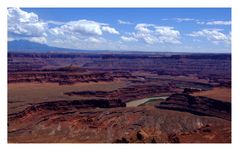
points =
(119, 98)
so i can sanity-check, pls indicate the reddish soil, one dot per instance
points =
(80, 98)
(220, 93)
(116, 125)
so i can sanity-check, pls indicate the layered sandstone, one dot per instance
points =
(197, 105)
(116, 125)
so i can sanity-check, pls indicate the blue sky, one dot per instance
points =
(133, 29)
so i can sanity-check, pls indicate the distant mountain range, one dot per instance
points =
(28, 46)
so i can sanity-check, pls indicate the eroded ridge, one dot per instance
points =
(116, 125)
(197, 105)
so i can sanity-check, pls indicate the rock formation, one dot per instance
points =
(116, 125)
(197, 105)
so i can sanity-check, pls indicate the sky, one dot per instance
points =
(125, 29)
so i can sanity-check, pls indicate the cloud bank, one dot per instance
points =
(126, 35)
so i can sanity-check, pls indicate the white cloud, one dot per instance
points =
(200, 22)
(81, 34)
(213, 35)
(84, 27)
(128, 39)
(124, 22)
(89, 34)
(168, 34)
(148, 38)
(41, 40)
(17, 15)
(55, 22)
(73, 34)
(219, 22)
(152, 34)
(185, 19)
(57, 31)
(180, 20)
(110, 30)
(24, 24)
(95, 40)
(145, 34)
(143, 27)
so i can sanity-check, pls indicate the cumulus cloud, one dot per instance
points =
(147, 38)
(110, 30)
(17, 15)
(91, 34)
(87, 31)
(213, 35)
(124, 22)
(83, 28)
(95, 40)
(143, 27)
(84, 34)
(219, 22)
(128, 39)
(168, 34)
(54, 22)
(152, 34)
(28, 26)
(41, 40)
(24, 24)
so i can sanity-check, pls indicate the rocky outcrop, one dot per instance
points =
(197, 105)
(116, 125)
(190, 90)
(216, 67)
(65, 75)
(71, 68)
(180, 119)
(68, 106)
(61, 77)
(125, 94)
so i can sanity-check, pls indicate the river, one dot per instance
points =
(141, 101)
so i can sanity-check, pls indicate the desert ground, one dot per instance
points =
(119, 98)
